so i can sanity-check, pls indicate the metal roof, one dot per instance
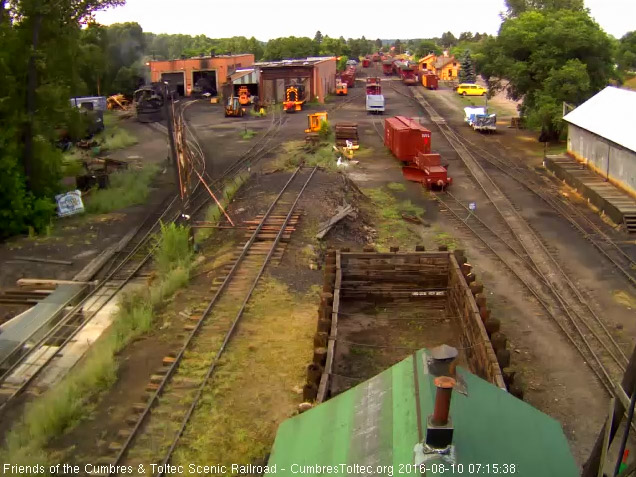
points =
(380, 422)
(609, 114)
(246, 76)
(313, 60)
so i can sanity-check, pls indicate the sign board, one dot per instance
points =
(69, 203)
(472, 206)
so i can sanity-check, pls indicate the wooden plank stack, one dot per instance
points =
(347, 131)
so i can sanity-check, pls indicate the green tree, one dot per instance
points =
(424, 47)
(378, 43)
(517, 7)
(290, 47)
(547, 57)
(397, 44)
(467, 70)
(318, 37)
(334, 47)
(448, 40)
(626, 55)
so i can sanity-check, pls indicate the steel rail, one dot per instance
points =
(230, 332)
(94, 294)
(454, 142)
(572, 214)
(175, 364)
(609, 387)
(450, 135)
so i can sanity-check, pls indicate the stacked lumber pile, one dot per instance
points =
(347, 132)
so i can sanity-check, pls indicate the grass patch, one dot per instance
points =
(129, 187)
(294, 153)
(624, 298)
(213, 213)
(392, 229)
(266, 360)
(72, 163)
(442, 238)
(73, 399)
(396, 186)
(173, 248)
(630, 82)
(113, 137)
(247, 134)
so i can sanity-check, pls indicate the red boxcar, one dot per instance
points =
(366, 62)
(376, 57)
(406, 138)
(429, 80)
(387, 67)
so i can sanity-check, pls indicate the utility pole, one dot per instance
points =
(173, 148)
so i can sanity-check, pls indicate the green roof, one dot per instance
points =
(376, 423)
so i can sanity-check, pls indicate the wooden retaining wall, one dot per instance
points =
(474, 336)
(406, 276)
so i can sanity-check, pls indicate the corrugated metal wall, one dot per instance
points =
(599, 153)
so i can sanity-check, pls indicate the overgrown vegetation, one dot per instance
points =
(266, 360)
(248, 133)
(128, 187)
(213, 214)
(391, 227)
(70, 401)
(115, 138)
(294, 153)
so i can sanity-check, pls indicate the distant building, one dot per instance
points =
(602, 135)
(206, 73)
(446, 66)
(316, 74)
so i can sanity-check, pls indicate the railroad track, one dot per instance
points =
(540, 272)
(20, 369)
(156, 427)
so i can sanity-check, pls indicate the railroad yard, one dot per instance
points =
(549, 281)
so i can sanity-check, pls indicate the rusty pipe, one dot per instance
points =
(444, 385)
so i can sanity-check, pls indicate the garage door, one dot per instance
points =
(176, 82)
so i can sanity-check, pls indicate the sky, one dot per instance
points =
(267, 19)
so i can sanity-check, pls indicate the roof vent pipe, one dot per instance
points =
(439, 431)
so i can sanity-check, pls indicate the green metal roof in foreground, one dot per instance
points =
(376, 424)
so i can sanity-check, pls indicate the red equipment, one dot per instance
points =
(428, 170)
(406, 138)
(375, 57)
(429, 80)
(409, 77)
(366, 62)
(374, 86)
(387, 67)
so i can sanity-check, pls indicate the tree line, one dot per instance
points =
(546, 52)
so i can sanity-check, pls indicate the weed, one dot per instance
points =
(396, 186)
(64, 405)
(213, 213)
(115, 138)
(72, 163)
(173, 248)
(126, 188)
(392, 230)
(266, 362)
(442, 238)
(324, 132)
(247, 134)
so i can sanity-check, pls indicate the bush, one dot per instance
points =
(129, 187)
(325, 130)
(173, 248)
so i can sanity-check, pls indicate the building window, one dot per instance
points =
(450, 73)
(454, 64)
